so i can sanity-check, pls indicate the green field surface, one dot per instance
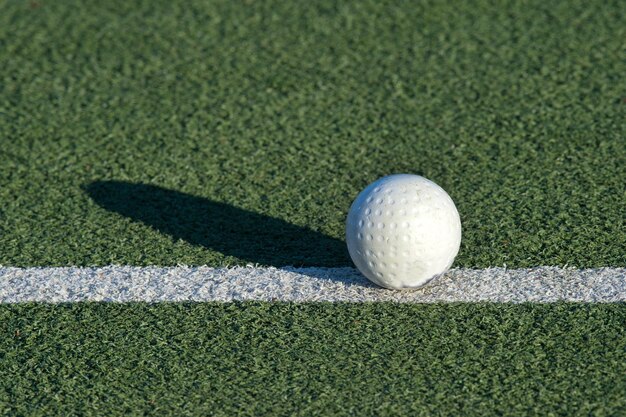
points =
(313, 359)
(239, 132)
(274, 115)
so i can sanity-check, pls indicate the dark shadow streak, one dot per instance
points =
(246, 235)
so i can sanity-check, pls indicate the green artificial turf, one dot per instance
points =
(283, 359)
(231, 132)
(275, 114)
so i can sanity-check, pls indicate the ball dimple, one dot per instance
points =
(368, 211)
(381, 225)
(370, 224)
(370, 237)
(359, 236)
(361, 223)
(379, 201)
(380, 238)
(379, 212)
(402, 212)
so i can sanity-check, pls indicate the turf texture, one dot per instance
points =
(274, 115)
(256, 359)
(234, 132)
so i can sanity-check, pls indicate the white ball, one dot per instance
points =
(402, 231)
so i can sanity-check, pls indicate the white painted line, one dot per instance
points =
(154, 284)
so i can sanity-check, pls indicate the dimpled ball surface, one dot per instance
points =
(402, 231)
